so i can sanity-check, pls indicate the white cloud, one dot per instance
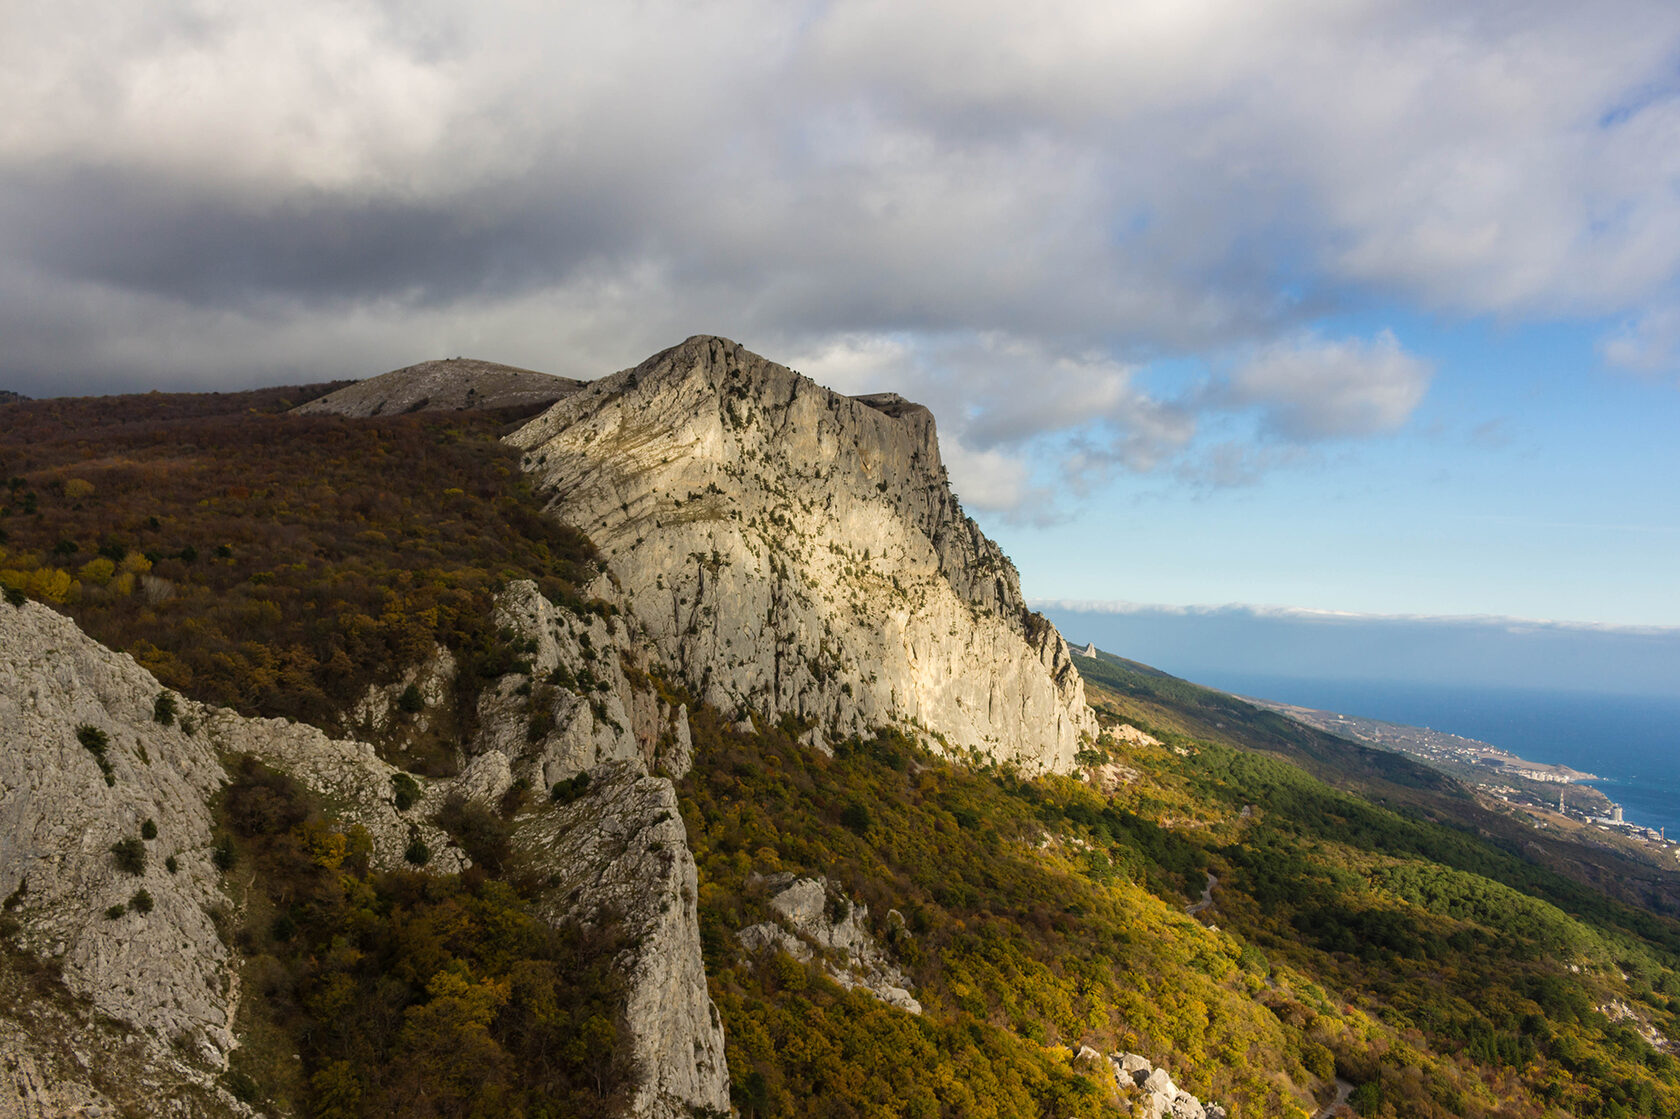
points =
(992, 480)
(1501, 622)
(1312, 388)
(1649, 343)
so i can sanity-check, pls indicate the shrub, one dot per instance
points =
(263, 802)
(411, 701)
(514, 799)
(856, 817)
(141, 902)
(115, 911)
(405, 791)
(16, 597)
(564, 792)
(96, 743)
(482, 834)
(130, 855)
(417, 852)
(148, 830)
(223, 854)
(171, 865)
(242, 1087)
(163, 709)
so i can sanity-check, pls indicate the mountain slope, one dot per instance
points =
(450, 385)
(798, 553)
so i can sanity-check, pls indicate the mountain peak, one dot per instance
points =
(447, 385)
(798, 553)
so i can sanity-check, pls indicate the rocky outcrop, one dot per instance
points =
(347, 774)
(381, 712)
(574, 705)
(451, 385)
(797, 552)
(580, 712)
(619, 859)
(1157, 1096)
(60, 1057)
(813, 920)
(84, 765)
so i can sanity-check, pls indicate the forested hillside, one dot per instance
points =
(276, 563)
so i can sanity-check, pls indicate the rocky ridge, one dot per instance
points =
(786, 552)
(620, 859)
(450, 385)
(158, 973)
(798, 553)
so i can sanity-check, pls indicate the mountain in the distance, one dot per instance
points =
(449, 385)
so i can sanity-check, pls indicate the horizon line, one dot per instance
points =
(1314, 614)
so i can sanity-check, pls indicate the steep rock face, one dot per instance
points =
(580, 705)
(576, 707)
(163, 970)
(798, 552)
(451, 385)
(620, 856)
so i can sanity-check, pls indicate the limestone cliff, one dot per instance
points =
(797, 552)
(84, 766)
(619, 856)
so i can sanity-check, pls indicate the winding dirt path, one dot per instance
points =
(1207, 897)
(1343, 1090)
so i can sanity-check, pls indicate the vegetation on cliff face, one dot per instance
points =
(274, 563)
(403, 993)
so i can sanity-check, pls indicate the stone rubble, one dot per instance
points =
(1160, 1097)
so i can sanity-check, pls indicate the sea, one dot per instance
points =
(1632, 743)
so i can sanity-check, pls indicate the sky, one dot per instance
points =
(1360, 307)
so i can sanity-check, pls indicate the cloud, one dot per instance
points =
(1650, 343)
(1312, 388)
(994, 481)
(1019, 216)
(1457, 652)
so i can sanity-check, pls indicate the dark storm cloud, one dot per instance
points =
(211, 251)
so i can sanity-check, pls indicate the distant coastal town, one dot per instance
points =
(1544, 791)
